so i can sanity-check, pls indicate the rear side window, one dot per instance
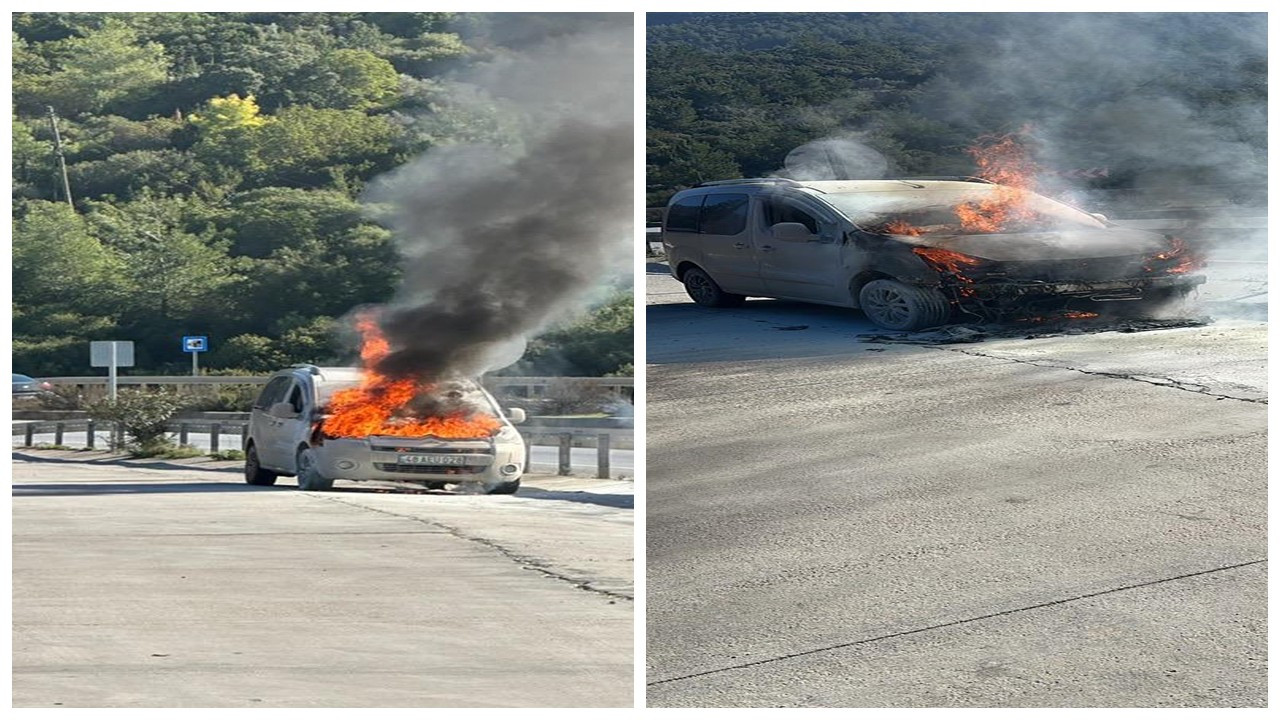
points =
(724, 214)
(273, 393)
(682, 216)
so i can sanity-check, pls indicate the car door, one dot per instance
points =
(263, 428)
(728, 250)
(291, 432)
(807, 269)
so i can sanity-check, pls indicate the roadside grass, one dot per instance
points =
(227, 455)
(165, 449)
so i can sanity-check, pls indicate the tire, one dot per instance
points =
(705, 292)
(253, 472)
(502, 488)
(895, 305)
(309, 477)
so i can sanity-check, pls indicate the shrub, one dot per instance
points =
(143, 415)
(63, 397)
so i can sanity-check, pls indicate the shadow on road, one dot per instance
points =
(134, 488)
(615, 500)
(759, 330)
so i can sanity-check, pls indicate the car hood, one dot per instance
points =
(1056, 245)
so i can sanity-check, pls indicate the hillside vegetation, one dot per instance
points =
(1131, 98)
(216, 163)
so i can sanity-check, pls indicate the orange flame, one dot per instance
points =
(951, 261)
(899, 227)
(376, 406)
(1178, 250)
(1003, 160)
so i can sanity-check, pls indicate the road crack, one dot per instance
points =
(526, 562)
(1156, 380)
(953, 623)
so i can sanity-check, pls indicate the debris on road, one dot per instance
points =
(1031, 329)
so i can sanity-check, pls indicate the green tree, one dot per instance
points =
(346, 79)
(263, 221)
(103, 67)
(315, 146)
(33, 164)
(57, 260)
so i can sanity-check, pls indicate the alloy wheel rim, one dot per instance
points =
(889, 306)
(700, 287)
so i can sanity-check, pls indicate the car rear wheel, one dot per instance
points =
(253, 472)
(895, 305)
(309, 477)
(706, 292)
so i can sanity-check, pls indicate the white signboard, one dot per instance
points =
(100, 353)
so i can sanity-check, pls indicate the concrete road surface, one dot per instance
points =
(1066, 521)
(171, 587)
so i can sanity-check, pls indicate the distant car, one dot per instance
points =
(914, 253)
(25, 386)
(286, 438)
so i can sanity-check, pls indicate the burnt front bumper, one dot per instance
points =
(1138, 288)
(420, 460)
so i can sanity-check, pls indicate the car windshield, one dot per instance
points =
(977, 210)
(22, 378)
(465, 390)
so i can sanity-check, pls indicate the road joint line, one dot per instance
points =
(954, 623)
(524, 561)
(1156, 380)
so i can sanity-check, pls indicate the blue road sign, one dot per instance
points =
(195, 343)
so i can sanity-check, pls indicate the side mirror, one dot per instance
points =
(282, 410)
(791, 232)
(516, 415)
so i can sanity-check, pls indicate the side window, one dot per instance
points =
(725, 214)
(295, 398)
(272, 393)
(682, 216)
(777, 210)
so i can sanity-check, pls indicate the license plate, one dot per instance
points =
(433, 460)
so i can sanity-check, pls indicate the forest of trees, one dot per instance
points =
(215, 164)
(1150, 98)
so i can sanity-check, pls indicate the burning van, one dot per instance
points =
(916, 253)
(322, 424)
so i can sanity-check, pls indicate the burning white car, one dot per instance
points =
(322, 424)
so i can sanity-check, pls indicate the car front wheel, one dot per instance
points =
(895, 305)
(253, 472)
(508, 487)
(309, 477)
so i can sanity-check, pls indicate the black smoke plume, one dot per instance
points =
(502, 239)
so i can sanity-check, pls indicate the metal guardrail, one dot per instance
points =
(521, 387)
(562, 438)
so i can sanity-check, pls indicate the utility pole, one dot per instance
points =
(62, 160)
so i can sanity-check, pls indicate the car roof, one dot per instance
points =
(837, 187)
